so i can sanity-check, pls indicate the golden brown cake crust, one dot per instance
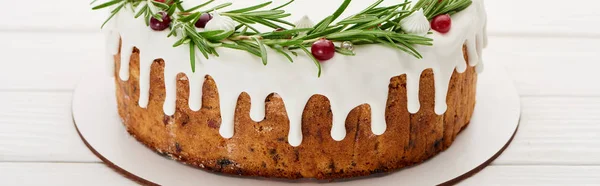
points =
(261, 148)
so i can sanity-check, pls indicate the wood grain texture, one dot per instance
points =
(536, 175)
(24, 174)
(55, 16)
(47, 61)
(556, 131)
(543, 18)
(38, 127)
(549, 66)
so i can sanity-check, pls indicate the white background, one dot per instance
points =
(550, 48)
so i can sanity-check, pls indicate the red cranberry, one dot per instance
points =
(323, 49)
(204, 18)
(441, 23)
(157, 25)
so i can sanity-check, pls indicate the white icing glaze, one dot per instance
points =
(416, 23)
(219, 22)
(304, 22)
(346, 81)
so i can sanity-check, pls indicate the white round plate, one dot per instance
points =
(492, 127)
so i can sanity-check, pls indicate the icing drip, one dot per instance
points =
(347, 81)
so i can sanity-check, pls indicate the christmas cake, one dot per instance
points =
(305, 89)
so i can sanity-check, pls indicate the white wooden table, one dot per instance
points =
(551, 49)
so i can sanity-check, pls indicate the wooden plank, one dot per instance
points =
(556, 131)
(47, 61)
(60, 174)
(536, 175)
(509, 17)
(548, 66)
(98, 174)
(543, 18)
(38, 127)
(42, 15)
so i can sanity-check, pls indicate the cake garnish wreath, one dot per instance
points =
(401, 26)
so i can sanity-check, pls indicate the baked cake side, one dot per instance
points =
(261, 148)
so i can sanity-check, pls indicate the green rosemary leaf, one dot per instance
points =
(193, 57)
(344, 51)
(358, 20)
(139, 13)
(371, 6)
(214, 51)
(171, 10)
(198, 40)
(292, 42)
(280, 50)
(203, 49)
(322, 25)
(421, 3)
(242, 19)
(286, 32)
(284, 5)
(244, 31)
(325, 32)
(189, 18)
(147, 17)
(158, 17)
(263, 50)
(438, 8)
(199, 6)
(341, 9)
(181, 42)
(406, 45)
(211, 33)
(349, 33)
(249, 44)
(375, 22)
(113, 14)
(266, 23)
(220, 36)
(179, 7)
(219, 7)
(255, 7)
(278, 16)
(309, 54)
(264, 13)
(160, 5)
(282, 21)
(251, 28)
(107, 4)
(361, 41)
(393, 45)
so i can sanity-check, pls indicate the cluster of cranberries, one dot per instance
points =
(160, 25)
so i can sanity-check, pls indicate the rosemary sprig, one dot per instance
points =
(374, 25)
